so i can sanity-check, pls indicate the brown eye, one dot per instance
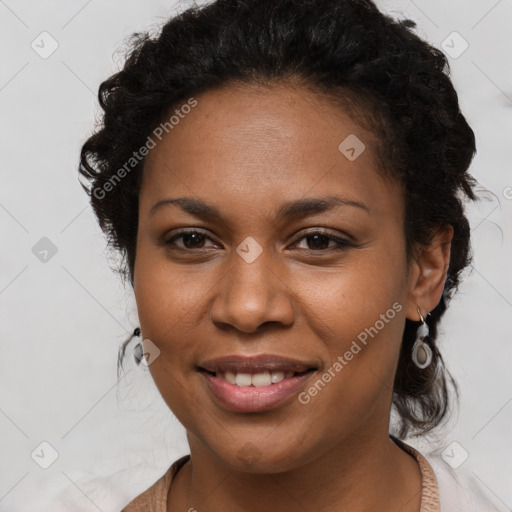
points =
(191, 239)
(317, 241)
(320, 240)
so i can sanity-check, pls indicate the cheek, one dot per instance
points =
(342, 302)
(169, 303)
(354, 389)
(362, 336)
(358, 312)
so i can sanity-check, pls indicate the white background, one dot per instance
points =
(61, 322)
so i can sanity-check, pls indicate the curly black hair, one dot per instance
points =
(347, 51)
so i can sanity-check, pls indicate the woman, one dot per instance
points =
(285, 181)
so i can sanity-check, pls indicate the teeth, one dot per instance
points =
(276, 377)
(243, 379)
(256, 379)
(261, 379)
(230, 377)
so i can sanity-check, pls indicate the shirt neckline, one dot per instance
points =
(429, 488)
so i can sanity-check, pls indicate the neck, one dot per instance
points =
(361, 475)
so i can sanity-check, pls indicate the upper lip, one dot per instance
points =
(255, 364)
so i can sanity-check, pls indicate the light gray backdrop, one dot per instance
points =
(63, 313)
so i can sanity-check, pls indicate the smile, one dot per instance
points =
(251, 398)
(256, 379)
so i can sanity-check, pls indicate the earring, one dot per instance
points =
(421, 352)
(137, 350)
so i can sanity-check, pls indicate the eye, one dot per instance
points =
(191, 239)
(320, 240)
(316, 241)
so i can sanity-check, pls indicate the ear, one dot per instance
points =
(428, 272)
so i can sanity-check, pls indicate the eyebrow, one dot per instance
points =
(298, 208)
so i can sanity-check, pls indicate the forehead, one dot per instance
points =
(254, 145)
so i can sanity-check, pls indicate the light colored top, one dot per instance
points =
(154, 499)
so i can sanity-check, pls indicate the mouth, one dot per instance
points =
(256, 379)
(255, 384)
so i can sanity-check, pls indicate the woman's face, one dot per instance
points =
(274, 273)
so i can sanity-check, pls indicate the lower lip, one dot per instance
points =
(252, 398)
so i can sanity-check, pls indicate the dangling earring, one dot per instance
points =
(137, 350)
(421, 352)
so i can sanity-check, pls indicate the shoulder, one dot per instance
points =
(154, 498)
(460, 489)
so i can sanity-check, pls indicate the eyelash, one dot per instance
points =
(342, 243)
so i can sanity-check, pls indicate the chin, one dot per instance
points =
(260, 457)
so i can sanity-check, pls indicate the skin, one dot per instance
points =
(247, 150)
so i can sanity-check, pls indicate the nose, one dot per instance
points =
(251, 295)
